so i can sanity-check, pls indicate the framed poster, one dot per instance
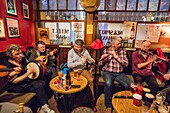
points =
(131, 5)
(43, 35)
(13, 27)
(25, 9)
(2, 30)
(11, 7)
(142, 5)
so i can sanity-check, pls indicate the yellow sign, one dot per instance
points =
(89, 29)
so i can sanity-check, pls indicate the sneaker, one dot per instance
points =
(45, 109)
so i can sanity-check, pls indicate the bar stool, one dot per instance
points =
(82, 110)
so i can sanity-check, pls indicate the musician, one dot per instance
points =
(51, 66)
(77, 59)
(142, 61)
(113, 61)
(18, 78)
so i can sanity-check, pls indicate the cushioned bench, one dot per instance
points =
(101, 81)
(16, 97)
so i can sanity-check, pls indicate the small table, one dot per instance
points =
(82, 82)
(125, 105)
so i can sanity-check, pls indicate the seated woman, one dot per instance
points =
(18, 78)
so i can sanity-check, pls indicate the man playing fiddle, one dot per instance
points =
(77, 58)
(113, 61)
(142, 61)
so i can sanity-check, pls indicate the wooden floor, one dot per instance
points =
(59, 107)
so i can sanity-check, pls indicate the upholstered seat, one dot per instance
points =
(16, 97)
(101, 81)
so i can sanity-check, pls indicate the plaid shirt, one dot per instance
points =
(112, 65)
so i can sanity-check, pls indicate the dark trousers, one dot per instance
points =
(150, 80)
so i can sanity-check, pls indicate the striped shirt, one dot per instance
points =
(111, 64)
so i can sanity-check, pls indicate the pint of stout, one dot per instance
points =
(149, 99)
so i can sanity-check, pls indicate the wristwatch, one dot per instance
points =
(90, 5)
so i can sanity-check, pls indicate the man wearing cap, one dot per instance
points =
(113, 61)
(77, 59)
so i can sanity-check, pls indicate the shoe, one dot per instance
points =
(45, 109)
(94, 109)
(108, 110)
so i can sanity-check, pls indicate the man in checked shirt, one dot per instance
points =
(113, 61)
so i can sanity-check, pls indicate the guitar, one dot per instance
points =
(45, 58)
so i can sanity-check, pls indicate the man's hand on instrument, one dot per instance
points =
(92, 60)
(154, 58)
(167, 76)
(31, 70)
(114, 54)
(51, 53)
(16, 71)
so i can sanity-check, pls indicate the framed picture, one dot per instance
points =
(25, 9)
(13, 27)
(43, 35)
(2, 30)
(11, 7)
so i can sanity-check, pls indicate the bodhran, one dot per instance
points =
(39, 67)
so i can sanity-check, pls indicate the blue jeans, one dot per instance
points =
(109, 77)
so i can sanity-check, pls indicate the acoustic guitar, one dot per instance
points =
(45, 58)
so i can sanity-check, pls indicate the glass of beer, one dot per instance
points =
(76, 74)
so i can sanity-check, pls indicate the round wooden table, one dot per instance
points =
(69, 94)
(82, 81)
(125, 105)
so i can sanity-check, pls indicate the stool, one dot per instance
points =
(82, 110)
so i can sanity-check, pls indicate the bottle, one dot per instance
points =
(68, 79)
(21, 107)
(132, 31)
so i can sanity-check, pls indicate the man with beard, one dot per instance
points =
(77, 59)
